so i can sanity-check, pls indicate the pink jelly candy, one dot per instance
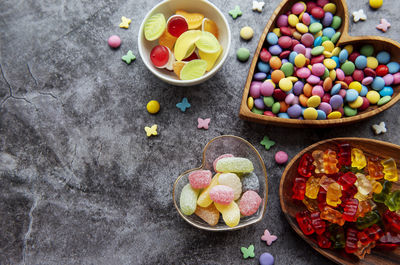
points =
(249, 203)
(218, 158)
(222, 194)
(200, 179)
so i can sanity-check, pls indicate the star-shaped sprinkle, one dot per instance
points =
(267, 143)
(268, 238)
(151, 130)
(203, 123)
(183, 105)
(235, 12)
(258, 6)
(359, 15)
(129, 57)
(248, 252)
(379, 128)
(384, 25)
(125, 22)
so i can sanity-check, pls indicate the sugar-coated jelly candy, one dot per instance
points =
(222, 194)
(249, 203)
(159, 56)
(200, 179)
(188, 199)
(230, 213)
(204, 199)
(233, 181)
(250, 182)
(234, 165)
(176, 25)
(218, 158)
(209, 214)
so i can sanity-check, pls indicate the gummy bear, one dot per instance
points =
(323, 241)
(364, 249)
(312, 187)
(330, 161)
(350, 210)
(390, 169)
(321, 198)
(311, 205)
(370, 234)
(393, 220)
(363, 208)
(325, 182)
(299, 188)
(337, 235)
(306, 167)
(318, 224)
(389, 241)
(318, 156)
(351, 240)
(333, 194)
(393, 201)
(376, 186)
(344, 154)
(375, 168)
(304, 221)
(363, 184)
(381, 197)
(358, 158)
(369, 219)
(332, 215)
(347, 180)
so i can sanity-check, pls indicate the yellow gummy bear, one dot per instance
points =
(204, 199)
(230, 213)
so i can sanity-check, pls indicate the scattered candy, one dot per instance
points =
(258, 6)
(243, 54)
(183, 105)
(114, 41)
(379, 128)
(268, 238)
(375, 3)
(246, 33)
(153, 106)
(203, 123)
(266, 259)
(125, 22)
(267, 143)
(248, 252)
(151, 130)
(129, 57)
(281, 157)
(384, 25)
(359, 15)
(235, 12)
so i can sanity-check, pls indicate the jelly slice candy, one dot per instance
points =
(209, 214)
(190, 51)
(188, 199)
(208, 43)
(159, 56)
(204, 199)
(176, 25)
(210, 58)
(210, 26)
(193, 69)
(233, 181)
(222, 194)
(194, 19)
(154, 27)
(230, 213)
(177, 67)
(249, 203)
(191, 57)
(235, 165)
(185, 42)
(167, 40)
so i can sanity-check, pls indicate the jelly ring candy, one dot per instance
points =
(188, 199)
(204, 199)
(234, 165)
(249, 203)
(230, 213)
(209, 214)
(194, 20)
(233, 181)
(218, 158)
(154, 27)
(222, 194)
(200, 179)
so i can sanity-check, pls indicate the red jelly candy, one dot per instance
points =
(382, 70)
(159, 56)
(177, 25)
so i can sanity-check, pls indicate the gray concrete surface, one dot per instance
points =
(79, 181)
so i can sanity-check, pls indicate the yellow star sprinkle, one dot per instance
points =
(151, 130)
(125, 22)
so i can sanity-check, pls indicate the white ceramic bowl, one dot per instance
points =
(168, 8)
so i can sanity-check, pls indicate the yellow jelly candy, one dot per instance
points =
(210, 58)
(230, 213)
(193, 69)
(190, 51)
(185, 42)
(208, 43)
(154, 27)
(194, 20)
(210, 26)
(204, 199)
(167, 40)
(177, 67)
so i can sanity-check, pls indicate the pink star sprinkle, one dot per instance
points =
(203, 123)
(384, 25)
(268, 238)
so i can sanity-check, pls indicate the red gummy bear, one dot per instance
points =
(304, 220)
(299, 188)
(344, 154)
(306, 167)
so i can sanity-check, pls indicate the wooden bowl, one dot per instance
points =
(379, 43)
(290, 207)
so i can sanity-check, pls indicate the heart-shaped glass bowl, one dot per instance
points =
(225, 144)
(379, 43)
(290, 207)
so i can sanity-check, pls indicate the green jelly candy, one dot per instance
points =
(154, 27)
(287, 69)
(348, 67)
(384, 100)
(188, 200)
(276, 107)
(336, 37)
(257, 111)
(369, 219)
(193, 69)
(317, 50)
(381, 197)
(367, 50)
(243, 54)
(393, 201)
(269, 101)
(234, 165)
(315, 27)
(336, 22)
(349, 112)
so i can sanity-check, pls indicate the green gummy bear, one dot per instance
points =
(381, 197)
(369, 219)
(188, 199)
(234, 165)
(393, 201)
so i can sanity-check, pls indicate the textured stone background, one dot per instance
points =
(79, 181)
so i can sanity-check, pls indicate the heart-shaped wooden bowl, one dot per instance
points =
(379, 43)
(290, 207)
(225, 144)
